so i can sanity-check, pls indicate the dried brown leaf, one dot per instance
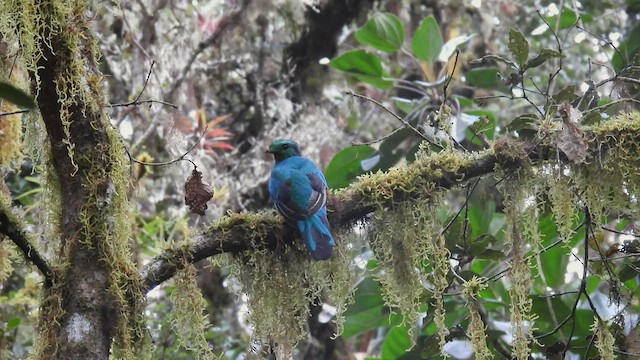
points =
(571, 139)
(197, 193)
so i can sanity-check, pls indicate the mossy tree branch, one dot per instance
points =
(421, 179)
(12, 230)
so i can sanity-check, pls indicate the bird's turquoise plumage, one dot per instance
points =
(298, 190)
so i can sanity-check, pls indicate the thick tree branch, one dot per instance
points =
(419, 180)
(12, 230)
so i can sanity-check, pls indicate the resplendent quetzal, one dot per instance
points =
(299, 191)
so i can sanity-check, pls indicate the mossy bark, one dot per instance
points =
(80, 313)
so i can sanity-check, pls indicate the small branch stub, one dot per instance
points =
(197, 193)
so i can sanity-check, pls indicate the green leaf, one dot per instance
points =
(396, 343)
(568, 18)
(565, 95)
(368, 310)
(484, 77)
(519, 47)
(525, 122)
(494, 58)
(365, 66)
(13, 94)
(347, 164)
(627, 50)
(13, 323)
(427, 40)
(383, 31)
(541, 58)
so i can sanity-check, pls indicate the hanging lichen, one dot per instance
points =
(477, 329)
(189, 319)
(517, 192)
(279, 292)
(405, 241)
(438, 255)
(394, 241)
(341, 277)
(604, 339)
(562, 204)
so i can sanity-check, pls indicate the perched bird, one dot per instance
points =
(298, 190)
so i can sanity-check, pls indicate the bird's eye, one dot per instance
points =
(285, 146)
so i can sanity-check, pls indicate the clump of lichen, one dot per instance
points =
(477, 328)
(279, 292)
(564, 209)
(339, 276)
(438, 255)
(189, 317)
(405, 241)
(517, 194)
(604, 339)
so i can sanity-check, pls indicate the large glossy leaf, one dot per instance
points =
(519, 47)
(364, 66)
(485, 77)
(541, 58)
(348, 163)
(14, 95)
(554, 261)
(627, 50)
(368, 310)
(383, 31)
(568, 18)
(396, 343)
(427, 40)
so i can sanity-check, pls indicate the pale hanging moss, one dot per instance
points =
(189, 319)
(405, 240)
(279, 292)
(438, 255)
(522, 319)
(604, 339)
(394, 241)
(341, 276)
(477, 329)
(7, 254)
(562, 204)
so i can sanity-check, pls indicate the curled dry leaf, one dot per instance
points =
(197, 193)
(571, 139)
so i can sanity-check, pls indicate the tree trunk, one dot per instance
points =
(81, 311)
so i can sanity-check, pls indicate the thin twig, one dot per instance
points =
(19, 237)
(140, 102)
(379, 139)
(14, 112)
(453, 71)
(464, 205)
(403, 121)
(165, 163)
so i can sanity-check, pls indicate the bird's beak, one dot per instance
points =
(268, 151)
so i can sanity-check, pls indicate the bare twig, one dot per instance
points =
(453, 71)
(148, 101)
(14, 112)
(403, 121)
(19, 237)
(173, 161)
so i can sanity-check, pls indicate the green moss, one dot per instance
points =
(188, 317)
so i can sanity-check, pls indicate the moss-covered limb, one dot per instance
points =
(421, 179)
(10, 227)
(233, 233)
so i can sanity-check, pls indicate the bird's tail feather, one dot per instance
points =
(317, 236)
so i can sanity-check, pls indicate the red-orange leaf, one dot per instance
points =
(197, 193)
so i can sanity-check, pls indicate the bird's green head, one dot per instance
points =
(283, 148)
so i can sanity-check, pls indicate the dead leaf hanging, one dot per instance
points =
(197, 193)
(571, 139)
